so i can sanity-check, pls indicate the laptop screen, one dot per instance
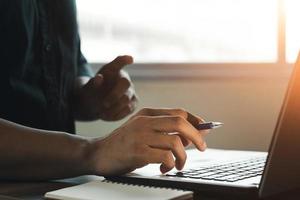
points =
(282, 171)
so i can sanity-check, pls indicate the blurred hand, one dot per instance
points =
(109, 95)
(150, 136)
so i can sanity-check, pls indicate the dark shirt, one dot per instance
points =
(40, 59)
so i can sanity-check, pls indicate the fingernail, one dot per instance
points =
(179, 167)
(98, 80)
(99, 77)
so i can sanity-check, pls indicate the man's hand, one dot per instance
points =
(109, 95)
(151, 136)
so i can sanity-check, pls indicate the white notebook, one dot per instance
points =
(102, 189)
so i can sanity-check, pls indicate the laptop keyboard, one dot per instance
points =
(229, 172)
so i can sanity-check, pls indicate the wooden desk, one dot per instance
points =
(295, 195)
(36, 190)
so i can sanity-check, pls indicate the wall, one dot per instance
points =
(248, 107)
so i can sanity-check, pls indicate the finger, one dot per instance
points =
(171, 124)
(124, 113)
(95, 83)
(153, 155)
(121, 110)
(193, 119)
(124, 102)
(167, 164)
(130, 93)
(109, 116)
(127, 110)
(122, 87)
(114, 115)
(185, 141)
(169, 142)
(98, 80)
(117, 64)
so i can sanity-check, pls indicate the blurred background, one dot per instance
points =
(225, 60)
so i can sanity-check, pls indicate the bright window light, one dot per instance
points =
(292, 29)
(180, 30)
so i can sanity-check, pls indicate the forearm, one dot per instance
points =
(33, 154)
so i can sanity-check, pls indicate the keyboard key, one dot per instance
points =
(227, 172)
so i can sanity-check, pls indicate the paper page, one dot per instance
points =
(107, 190)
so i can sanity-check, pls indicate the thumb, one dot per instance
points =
(117, 64)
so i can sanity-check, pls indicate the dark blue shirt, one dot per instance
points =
(40, 59)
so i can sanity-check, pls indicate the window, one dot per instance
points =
(292, 29)
(189, 31)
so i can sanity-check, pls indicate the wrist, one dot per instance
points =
(82, 151)
(93, 156)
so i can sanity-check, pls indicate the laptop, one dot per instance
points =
(240, 173)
